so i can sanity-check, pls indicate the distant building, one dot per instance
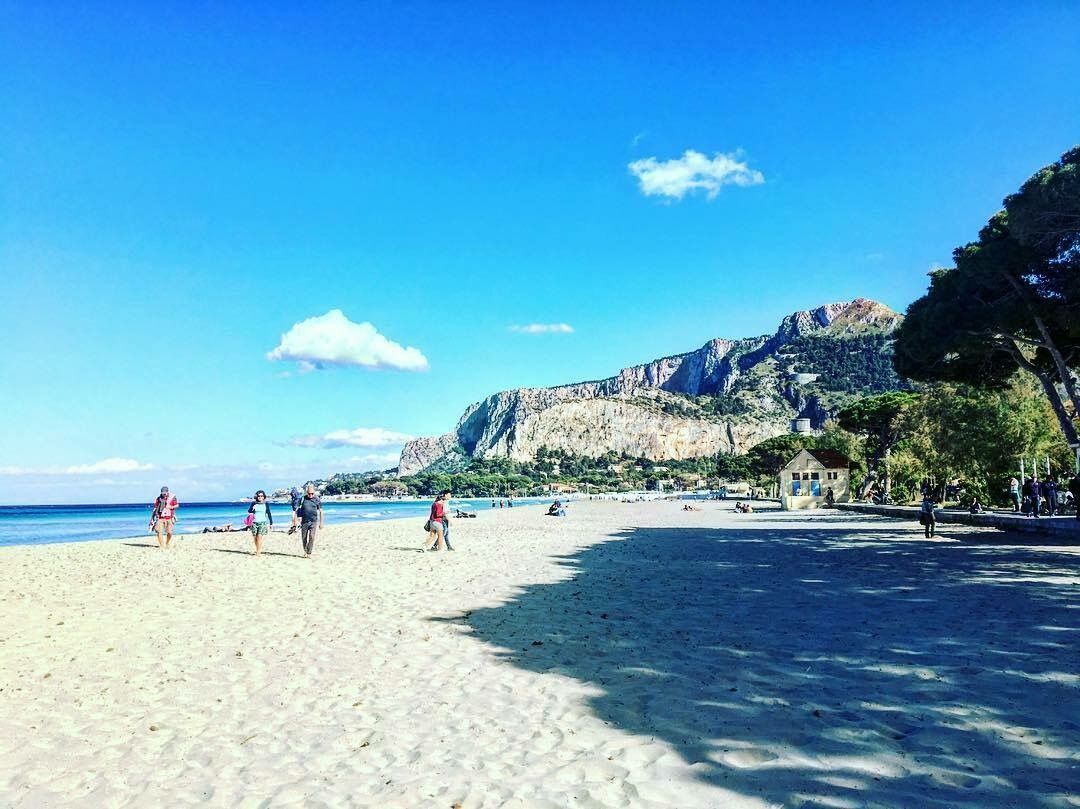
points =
(560, 488)
(807, 478)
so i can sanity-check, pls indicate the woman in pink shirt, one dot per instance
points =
(435, 525)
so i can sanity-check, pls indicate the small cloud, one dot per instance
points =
(367, 437)
(375, 460)
(334, 340)
(638, 138)
(544, 328)
(874, 257)
(680, 176)
(109, 466)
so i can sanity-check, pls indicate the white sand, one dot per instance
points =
(627, 655)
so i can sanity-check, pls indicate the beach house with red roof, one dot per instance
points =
(807, 478)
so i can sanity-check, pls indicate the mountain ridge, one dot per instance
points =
(660, 409)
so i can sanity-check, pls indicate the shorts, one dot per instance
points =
(164, 524)
(260, 528)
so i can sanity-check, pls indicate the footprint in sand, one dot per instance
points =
(956, 779)
(749, 758)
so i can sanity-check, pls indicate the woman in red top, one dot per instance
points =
(435, 525)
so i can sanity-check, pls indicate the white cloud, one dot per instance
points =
(107, 466)
(333, 339)
(544, 328)
(375, 460)
(367, 437)
(675, 178)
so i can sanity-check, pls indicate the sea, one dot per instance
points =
(39, 525)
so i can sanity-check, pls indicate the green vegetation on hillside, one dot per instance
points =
(499, 477)
(853, 364)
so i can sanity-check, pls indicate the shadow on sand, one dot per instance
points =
(264, 553)
(822, 667)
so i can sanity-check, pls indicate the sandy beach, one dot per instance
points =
(629, 655)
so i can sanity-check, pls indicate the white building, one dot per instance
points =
(808, 477)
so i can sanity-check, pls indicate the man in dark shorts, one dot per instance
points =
(295, 496)
(310, 514)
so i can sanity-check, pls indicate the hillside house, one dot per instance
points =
(807, 478)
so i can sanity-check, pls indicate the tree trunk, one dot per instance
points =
(1051, 391)
(1063, 372)
(1059, 363)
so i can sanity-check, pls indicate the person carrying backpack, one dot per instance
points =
(926, 515)
(310, 514)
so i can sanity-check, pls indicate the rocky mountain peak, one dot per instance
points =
(723, 397)
(859, 315)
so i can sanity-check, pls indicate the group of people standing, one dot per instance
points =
(307, 516)
(1031, 496)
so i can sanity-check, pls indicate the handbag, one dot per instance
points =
(427, 527)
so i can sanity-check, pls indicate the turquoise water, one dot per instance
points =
(36, 525)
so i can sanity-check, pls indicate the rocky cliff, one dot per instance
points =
(724, 397)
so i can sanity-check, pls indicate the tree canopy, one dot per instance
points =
(1011, 300)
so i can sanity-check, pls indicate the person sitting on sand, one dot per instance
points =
(556, 509)
(976, 507)
(263, 520)
(689, 507)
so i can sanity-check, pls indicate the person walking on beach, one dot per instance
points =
(1014, 494)
(164, 516)
(446, 519)
(435, 525)
(927, 516)
(310, 514)
(263, 520)
(295, 496)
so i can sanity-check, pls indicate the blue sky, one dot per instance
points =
(181, 186)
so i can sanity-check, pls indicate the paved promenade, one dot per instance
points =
(1005, 520)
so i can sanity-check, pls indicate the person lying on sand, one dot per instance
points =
(222, 529)
(689, 507)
